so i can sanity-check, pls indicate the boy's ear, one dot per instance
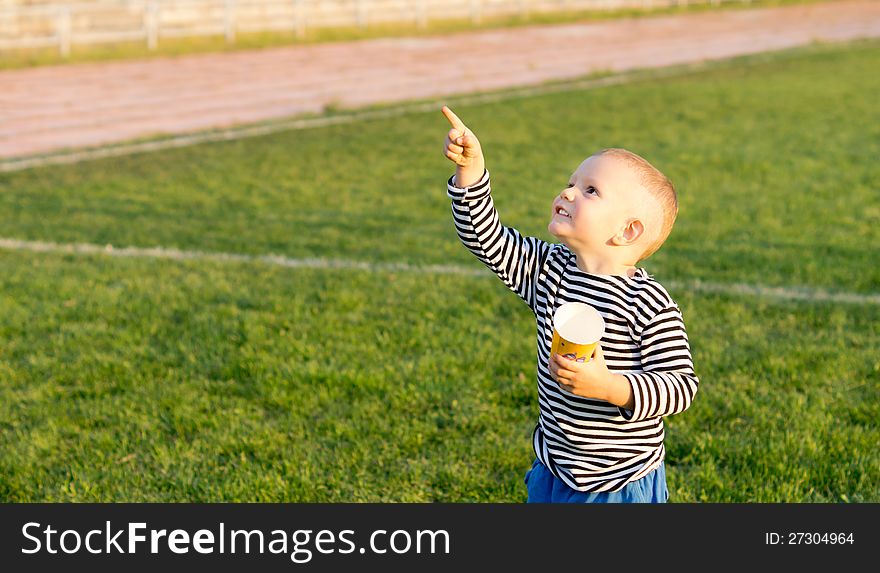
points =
(629, 233)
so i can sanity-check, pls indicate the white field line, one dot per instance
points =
(276, 260)
(800, 294)
(185, 140)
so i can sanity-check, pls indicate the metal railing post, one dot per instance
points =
(476, 9)
(229, 21)
(421, 15)
(64, 31)
(299, 18)
(151, 24)
(360, 13)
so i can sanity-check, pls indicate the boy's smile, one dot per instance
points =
(591, 214)
(591, 208)
(562, 211)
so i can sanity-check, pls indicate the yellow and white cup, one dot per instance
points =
(577, 330)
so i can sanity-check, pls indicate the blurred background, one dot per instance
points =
(50, 27)
(228, 270)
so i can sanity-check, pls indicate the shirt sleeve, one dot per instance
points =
(515, 259)
(667, 384)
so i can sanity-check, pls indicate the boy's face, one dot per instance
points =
(602, 196)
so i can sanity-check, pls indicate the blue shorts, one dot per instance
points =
(544, 487)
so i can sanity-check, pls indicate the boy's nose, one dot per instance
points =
(567, 194)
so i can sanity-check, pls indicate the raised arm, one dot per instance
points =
(463, 148)
(515, 259)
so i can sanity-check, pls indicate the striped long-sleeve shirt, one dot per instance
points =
(591, 445)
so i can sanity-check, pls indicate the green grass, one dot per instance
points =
(157, 380)
(23, 58)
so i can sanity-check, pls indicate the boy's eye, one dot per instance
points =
(591, 190)
(569, 186)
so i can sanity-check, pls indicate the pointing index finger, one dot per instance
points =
(453, 119)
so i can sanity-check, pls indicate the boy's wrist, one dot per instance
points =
(618, 391)
(468, 176)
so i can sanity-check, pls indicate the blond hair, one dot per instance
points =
(660, 188)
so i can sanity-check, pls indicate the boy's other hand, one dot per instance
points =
(591, 379)
(463, 148)
(585, 379)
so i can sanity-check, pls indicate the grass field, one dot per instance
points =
(137, 379)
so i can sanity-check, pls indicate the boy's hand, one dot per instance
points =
(591, 379)
(463, 148)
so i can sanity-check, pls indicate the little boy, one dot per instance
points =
(599, 436)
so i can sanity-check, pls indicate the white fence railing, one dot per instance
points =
(64, 25)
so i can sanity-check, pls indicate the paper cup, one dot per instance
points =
(577, 329)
